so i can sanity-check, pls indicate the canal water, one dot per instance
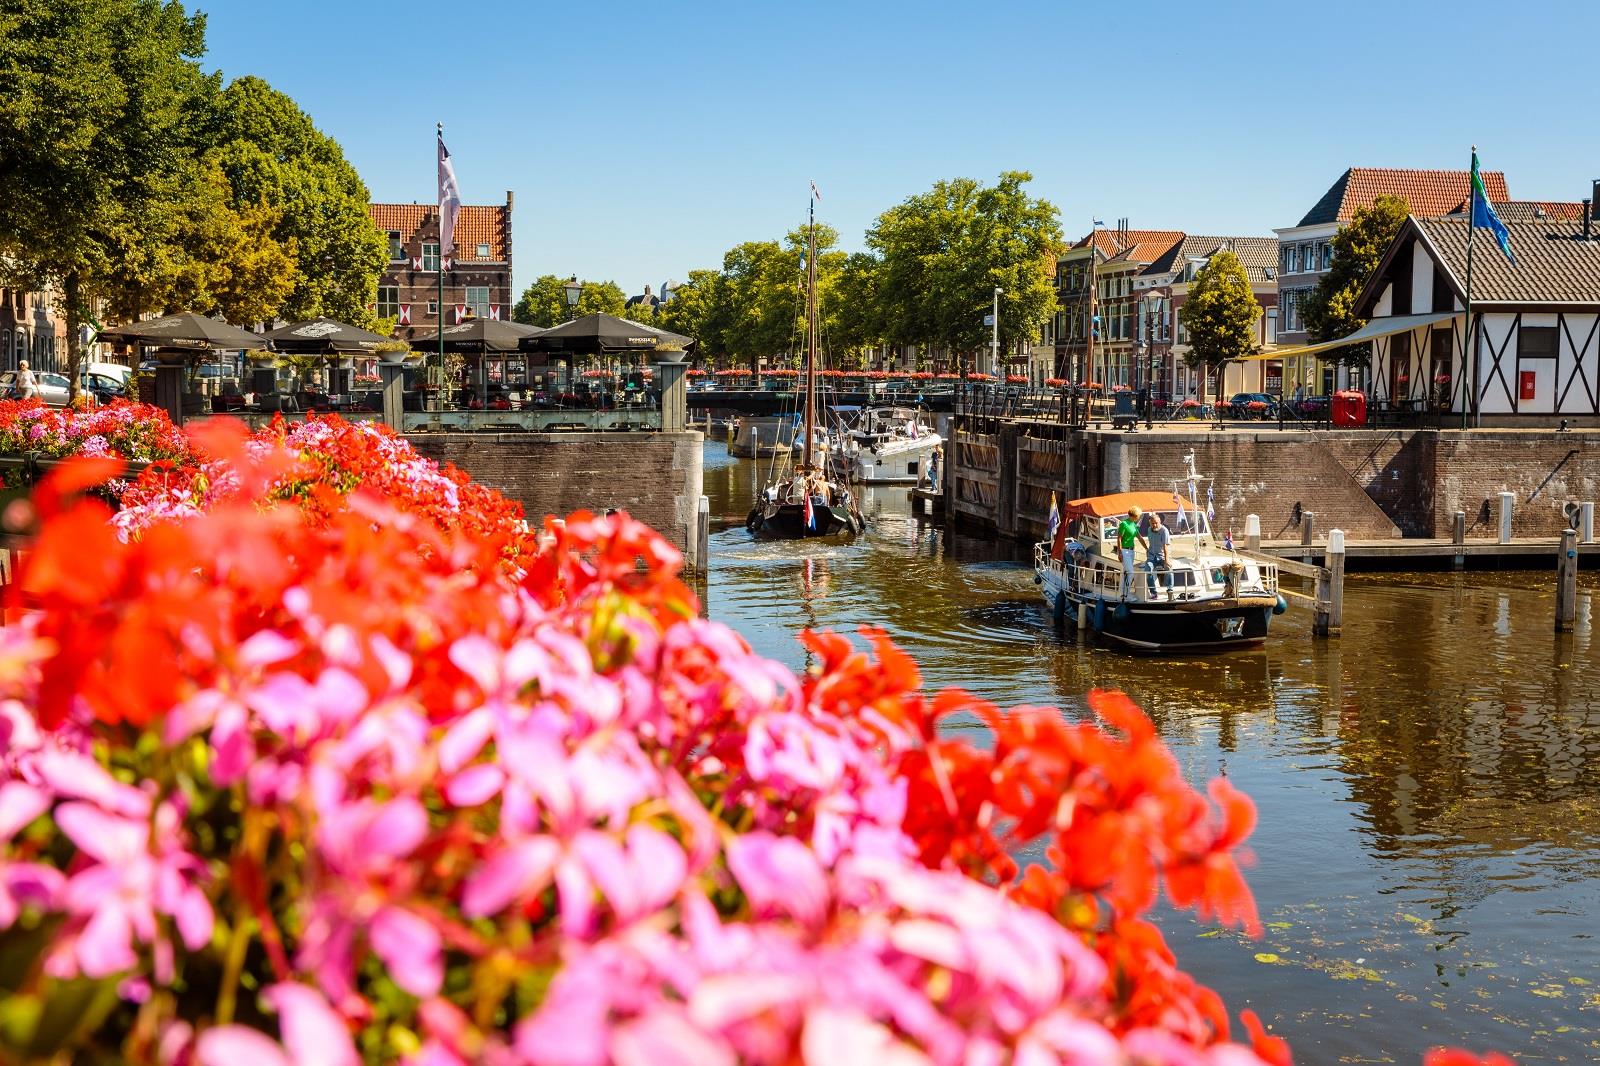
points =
(1426, 862)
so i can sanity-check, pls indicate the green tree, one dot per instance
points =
(274, 155)
(1329, 309)
(1220, 314)
(852, 311)
(197, 252)
(544, 303)
(99, 106)
(699, 308)
(945, 251)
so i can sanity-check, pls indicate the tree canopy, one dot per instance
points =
(1220, 313)
(129, 175)
(1329, 309)
(942, 254)
(544, 303)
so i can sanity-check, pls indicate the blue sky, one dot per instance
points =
(643, 140)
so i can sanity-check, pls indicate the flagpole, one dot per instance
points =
(439, 266)
(1466, 340)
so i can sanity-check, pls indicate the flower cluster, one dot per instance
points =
(133, 431)
(325, 459)
(328, 776)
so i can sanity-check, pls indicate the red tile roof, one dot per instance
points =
(475, 225)
(1134, 245)
(1429, 192)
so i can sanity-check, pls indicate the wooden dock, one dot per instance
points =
(1429, 553)
(927, 503)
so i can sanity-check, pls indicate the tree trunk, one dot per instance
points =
(71, 292)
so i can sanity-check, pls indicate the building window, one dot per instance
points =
(478, 300)
(1327, 255)
(430, 255)
(1286, 259)
(483, 251)
(397, 248)
(388, 301)
(433, 308)
(1272, 325)
(1536, 342)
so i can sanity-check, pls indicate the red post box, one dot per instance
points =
(1349, 408)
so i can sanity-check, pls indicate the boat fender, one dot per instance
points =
(1121, 612)
(753, 521)
(1099, 620)
(1060, 611)
(1280, 605)
(1038, 579)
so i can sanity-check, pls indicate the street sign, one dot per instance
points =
(988, 320)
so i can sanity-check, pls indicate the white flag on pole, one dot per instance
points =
(449, 202)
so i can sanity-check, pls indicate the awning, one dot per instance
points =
(1378, 327)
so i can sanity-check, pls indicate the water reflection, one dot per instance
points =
(1428, 785)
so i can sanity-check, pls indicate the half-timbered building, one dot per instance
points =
(1532, 353)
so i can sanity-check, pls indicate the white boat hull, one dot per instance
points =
(894, 462)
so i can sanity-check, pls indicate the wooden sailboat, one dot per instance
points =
(806, 503)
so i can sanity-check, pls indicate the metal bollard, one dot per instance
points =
(1458, 536)
(1586, 523)
(1252, 532)
(1508, 501)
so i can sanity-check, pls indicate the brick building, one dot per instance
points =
(478, 277)
(30, 329)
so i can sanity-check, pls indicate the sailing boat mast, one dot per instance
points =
(811, 336)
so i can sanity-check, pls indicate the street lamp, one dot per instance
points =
(574, 290)
(994, 338)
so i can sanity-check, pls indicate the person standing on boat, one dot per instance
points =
(1127, 536)
(1157, 540)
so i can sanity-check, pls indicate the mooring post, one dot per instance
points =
(1308, 527)
(1507, 502)
(1335, 571)
(1586, 523)
(1567, 582)
(1458, 537)
(702, 536)
(1252, 532)
(1321, 601)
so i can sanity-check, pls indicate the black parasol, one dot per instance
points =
(320, 336)
(478, 335)
(187, 330)
(595, 333)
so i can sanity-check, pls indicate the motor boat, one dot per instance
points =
(889, 444)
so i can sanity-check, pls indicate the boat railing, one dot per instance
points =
(1091, 576)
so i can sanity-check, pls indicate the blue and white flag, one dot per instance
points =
(1055, 518)
(1483, 216)
(1211, 504)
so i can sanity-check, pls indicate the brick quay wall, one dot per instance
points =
(655, 477)
(1373, 484)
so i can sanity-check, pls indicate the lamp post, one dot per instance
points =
(574, 292)
(994, 336)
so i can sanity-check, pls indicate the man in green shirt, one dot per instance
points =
(1127, 535)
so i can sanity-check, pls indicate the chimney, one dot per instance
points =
(1588, 210)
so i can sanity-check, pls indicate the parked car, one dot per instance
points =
(53, 388)
(1242, 401)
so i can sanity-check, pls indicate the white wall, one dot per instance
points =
(1421, 279)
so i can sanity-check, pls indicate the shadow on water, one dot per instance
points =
(1428, 785)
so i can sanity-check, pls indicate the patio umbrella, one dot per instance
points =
(320, 336)
(599, 332)
(187, 330)
(479, 335)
